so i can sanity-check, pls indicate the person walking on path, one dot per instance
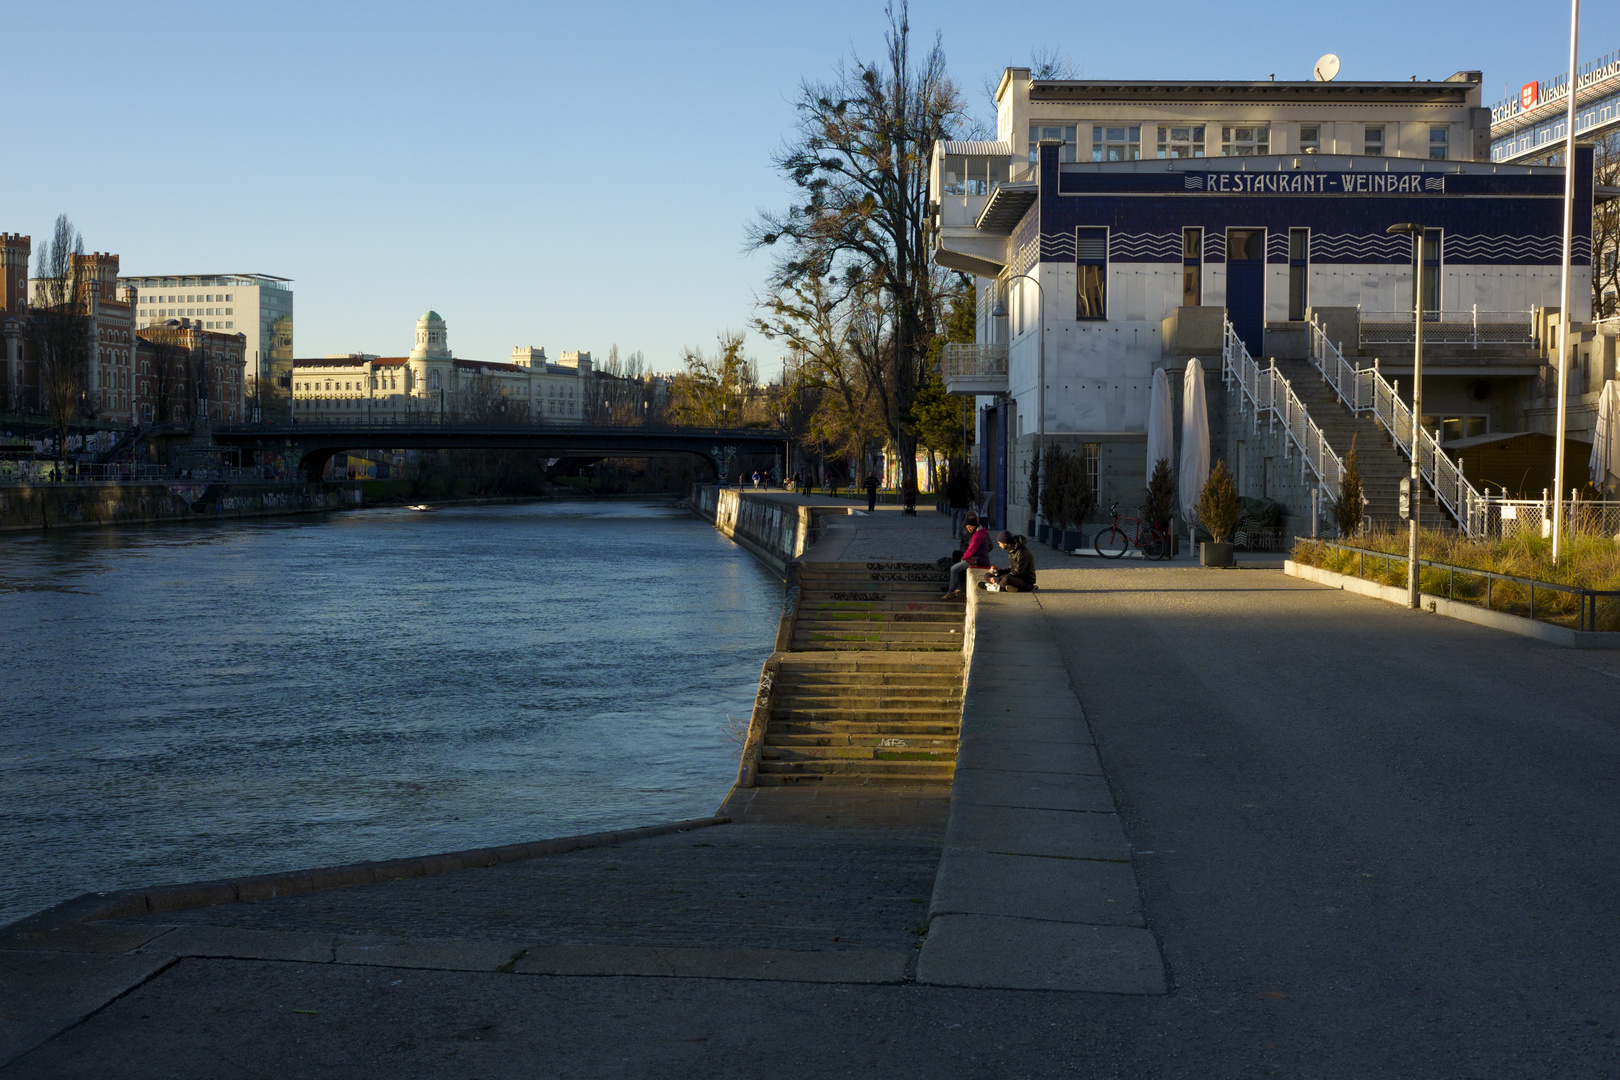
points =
(1020, 573)
(975, 557)
(871, 493)
(959, 493)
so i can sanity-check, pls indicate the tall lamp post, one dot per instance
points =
(1415, 501)
(1563, 301)
(1000, 312)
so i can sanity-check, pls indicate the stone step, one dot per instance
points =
(846, 645)
(911, 729)
(931, 779)
(941, 615)
(880, 632)
(812, 698)
(932, 665)
(942, 714)
(860, 754)
(889, 771)
(941, 684)
(885, 740)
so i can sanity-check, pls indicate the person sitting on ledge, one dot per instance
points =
(976, 557)
(1020, 573)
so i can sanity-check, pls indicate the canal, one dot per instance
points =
(183, 703)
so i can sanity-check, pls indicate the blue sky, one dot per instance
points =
(567, 175)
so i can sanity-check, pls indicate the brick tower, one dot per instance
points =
(14, 251)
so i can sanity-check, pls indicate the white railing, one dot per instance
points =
(973, 360)
(1366, 390)
(1473, 327)
(1268, 394)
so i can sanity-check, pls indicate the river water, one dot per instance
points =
(183, 703)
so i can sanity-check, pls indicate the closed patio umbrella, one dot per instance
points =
(1604, 463)
(1194, 442)
(1161, 435)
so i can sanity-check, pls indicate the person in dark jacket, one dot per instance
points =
(871, 492)
(1020, 573)
(959, 493)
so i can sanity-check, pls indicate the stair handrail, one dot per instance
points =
(1366, 390)
(1269, 393)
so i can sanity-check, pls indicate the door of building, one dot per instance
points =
(993, 465)
(1246, 286)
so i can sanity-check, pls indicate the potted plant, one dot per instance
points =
(1051, 490)
(1037, 499)
(1161, 501)
(1079, 500)
(1218, 509)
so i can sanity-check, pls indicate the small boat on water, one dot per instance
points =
(421, 508)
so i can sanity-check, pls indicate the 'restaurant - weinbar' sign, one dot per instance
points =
(1314, 183)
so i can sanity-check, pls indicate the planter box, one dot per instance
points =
(1498, 620)
(1213, 554)
(1043, 533)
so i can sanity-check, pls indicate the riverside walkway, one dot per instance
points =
(1365, 841)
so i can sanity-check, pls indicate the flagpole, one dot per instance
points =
(1563, 301)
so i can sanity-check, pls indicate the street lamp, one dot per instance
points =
(1562, 424)
(1000, 312)
(1415, 499)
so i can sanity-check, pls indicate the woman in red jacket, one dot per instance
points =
(976, 557)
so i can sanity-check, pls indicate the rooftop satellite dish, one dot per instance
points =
(1326, 68)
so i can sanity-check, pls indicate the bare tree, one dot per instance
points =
(59, 333)
(1606, 227)
(860, 220)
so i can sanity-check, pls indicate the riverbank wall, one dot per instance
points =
(772, 530)
(44, 507)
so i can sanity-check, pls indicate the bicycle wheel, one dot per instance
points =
(1112, 543)
(1154, 544)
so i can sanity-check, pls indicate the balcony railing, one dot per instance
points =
(974, 368)
(1473, 327)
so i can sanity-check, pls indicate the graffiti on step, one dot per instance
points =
(762, 700)
(901, 575)
(901, 566)
(790, 602)
(859, 596)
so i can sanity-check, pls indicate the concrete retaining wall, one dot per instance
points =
(1496, 620)
(68, 506)
(774, 532)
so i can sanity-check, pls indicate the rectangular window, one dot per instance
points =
(1245, 141)
(1439, 142)
(1181, 142)
(1091, 257)
(1192, 267)
(1310, 138)
(1299, 268)
(1372, 143)
(1037, 132)
(1431, 270)
(1116, 143)
(1089, 453)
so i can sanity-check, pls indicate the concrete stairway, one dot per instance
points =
(872, 691)
(1382, 465)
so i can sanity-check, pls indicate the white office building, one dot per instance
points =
(259, 306)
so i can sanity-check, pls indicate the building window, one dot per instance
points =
(1089, 453)
(1091, 257)
(1037, 132)
(1192, 268)
(1310, 138)
(1431, 270)
(1439, 142)
(1372, 144)
(1299, 259)
(1181, 142)
(1245, 141)
(1116, 143)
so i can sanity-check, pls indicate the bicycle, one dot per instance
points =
(1113, 542)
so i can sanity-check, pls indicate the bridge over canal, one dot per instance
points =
(314, 443)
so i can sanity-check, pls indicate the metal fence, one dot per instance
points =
(1514, 518)
(1269, 395)
(1366, 390)
(1472, 327)
(1572, 606)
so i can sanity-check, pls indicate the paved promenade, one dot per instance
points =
(1365, 842)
